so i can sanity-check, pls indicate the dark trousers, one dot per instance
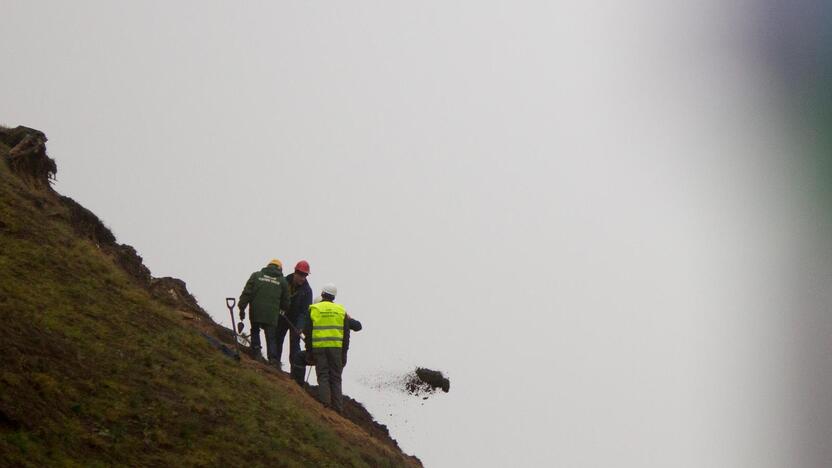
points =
(299, 368)
(271, 340)
(328, 368)
(294, 340)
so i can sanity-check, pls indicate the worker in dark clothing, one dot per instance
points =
(325, 335)
(300, 298)
(268, 293)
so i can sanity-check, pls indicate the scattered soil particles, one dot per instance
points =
(424, 382)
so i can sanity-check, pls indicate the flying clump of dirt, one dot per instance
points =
(420, 382)
(424, 382)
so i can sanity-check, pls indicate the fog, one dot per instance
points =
(601, 221)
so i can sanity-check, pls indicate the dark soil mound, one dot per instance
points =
(86, 224)
(27, 155)
(174, 292)
(355, 412)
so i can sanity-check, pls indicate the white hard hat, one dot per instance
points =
(330, 289)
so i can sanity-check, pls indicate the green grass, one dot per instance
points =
(94, 372)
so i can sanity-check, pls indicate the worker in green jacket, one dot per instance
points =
(268, 293)
(324, 342)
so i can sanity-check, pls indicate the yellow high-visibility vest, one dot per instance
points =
(327, 324)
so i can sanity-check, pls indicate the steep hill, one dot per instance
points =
(101, 364)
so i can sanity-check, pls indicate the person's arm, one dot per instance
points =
(307, 331)
(284, 297)
(245, 296)
(345, 345)
(304, 301)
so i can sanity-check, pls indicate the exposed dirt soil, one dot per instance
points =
(355, 412)
(86, 224)
(27, 156)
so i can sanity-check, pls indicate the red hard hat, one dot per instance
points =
(302, 266)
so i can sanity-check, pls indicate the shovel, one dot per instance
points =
(230, 302)
(292, 325)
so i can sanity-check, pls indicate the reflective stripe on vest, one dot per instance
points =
(327, 324)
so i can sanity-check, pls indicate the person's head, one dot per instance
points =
(328, 292)
(276, 263)
(301, 272)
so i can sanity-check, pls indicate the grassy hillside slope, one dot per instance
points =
(96, 372)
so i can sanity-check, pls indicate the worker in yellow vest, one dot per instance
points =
(324, 342)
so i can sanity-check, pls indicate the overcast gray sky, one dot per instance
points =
(590, 215)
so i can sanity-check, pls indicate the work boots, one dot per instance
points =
(255, 354)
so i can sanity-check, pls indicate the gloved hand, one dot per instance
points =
(240, 326)
(310, 359)
(242, 314)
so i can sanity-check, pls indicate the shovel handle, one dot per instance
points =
(231, 302)
(292, 325)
